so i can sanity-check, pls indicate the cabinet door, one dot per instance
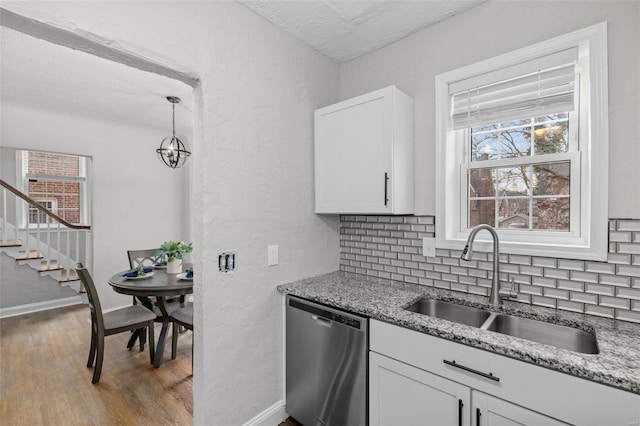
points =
(490, 411)
(403, 395)
(353, 151)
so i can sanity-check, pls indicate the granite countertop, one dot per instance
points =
(617, 364)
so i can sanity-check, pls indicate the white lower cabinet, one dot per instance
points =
(418, 379)
(400, 394)
(487, 410)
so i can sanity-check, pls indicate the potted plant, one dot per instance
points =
(174, 251)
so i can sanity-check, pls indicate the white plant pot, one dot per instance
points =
(174, 266)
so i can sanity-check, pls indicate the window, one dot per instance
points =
(37, 216)
(519, 175)
(56, 181)
(522, 146)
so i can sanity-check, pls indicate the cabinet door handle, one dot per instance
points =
(386, 184)
(460, 405)
(478, 415)
(471, 370)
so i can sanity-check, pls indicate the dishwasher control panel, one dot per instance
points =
(330, 315)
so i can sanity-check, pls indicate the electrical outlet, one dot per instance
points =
(272, 255)
(226, 262)
(429, 247)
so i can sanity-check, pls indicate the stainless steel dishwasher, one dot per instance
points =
(326, 365)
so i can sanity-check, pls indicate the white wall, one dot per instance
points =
(496, 27)
(137, 201)
(268, 85)
(252, 174)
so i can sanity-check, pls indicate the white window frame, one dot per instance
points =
(50, 204)
(23, 185)
(588, 236)
(572, 156)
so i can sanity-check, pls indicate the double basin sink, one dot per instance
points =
(556, 335)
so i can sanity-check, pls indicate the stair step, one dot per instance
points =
(49, 265)
(69, 275)
(11, 243)
(31, 255)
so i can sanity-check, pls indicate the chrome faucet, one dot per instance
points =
(496, 295)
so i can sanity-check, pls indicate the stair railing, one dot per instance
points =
(68, 249)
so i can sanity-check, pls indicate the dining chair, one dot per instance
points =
(146, 258)
(106, 324)
(181, 317)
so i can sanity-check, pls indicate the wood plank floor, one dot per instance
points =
(290, 422)
(44, 379)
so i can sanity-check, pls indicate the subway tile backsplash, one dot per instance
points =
(391, 247)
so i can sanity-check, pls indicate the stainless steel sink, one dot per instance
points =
(450, 311)
(556, 335)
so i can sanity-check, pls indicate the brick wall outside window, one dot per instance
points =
(65, 193)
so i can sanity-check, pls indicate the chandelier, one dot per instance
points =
(173, 152)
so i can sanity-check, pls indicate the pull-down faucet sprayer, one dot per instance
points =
(496, 295)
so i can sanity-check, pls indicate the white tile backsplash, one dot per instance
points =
(391, 247)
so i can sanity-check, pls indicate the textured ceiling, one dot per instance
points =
(346, 29)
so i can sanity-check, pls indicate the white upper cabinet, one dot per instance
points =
(364, 155)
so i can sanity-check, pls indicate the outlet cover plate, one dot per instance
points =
(429, 247)
(272, 255)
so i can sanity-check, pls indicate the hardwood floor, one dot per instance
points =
(44, 378)
(290, 422)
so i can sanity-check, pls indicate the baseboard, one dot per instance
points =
(272, 416)
(40, 306)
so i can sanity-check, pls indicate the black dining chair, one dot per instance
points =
(181, 317)
(148, 258)
(106, 324)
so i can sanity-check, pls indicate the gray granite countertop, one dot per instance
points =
(617, 364)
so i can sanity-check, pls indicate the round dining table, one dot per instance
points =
(160, 285)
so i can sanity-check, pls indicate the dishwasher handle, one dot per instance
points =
(321, 321)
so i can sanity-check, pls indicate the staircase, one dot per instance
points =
(51, 247)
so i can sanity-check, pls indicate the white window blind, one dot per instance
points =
(538, 87)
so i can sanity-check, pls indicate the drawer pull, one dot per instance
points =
(471, 370)
(460, 405)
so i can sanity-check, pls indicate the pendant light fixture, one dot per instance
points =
(173, 152)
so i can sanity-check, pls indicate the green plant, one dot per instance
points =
(174, 249)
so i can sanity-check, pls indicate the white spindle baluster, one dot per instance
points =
(48, 241)
(58, 238)
(38, 232)
(26, 228)
(68, 250)
(77, 255)
(4, 215)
